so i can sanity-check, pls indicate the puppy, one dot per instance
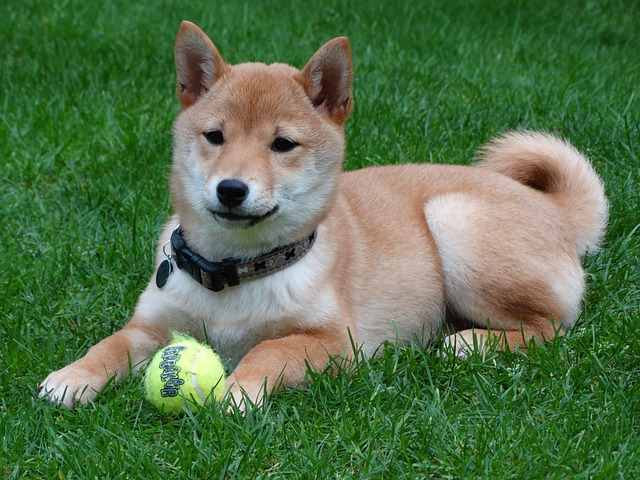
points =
(282, 261)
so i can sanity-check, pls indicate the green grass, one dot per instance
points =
(87, 101)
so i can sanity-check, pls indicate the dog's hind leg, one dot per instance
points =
(510, 280)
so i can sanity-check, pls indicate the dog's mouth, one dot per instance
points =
(242, 219)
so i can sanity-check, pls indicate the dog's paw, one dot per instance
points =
(72, 385)
(463, 343)
(242, 395)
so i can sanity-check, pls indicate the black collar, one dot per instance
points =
(229, 271)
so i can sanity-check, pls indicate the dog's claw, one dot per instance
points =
(70, 386)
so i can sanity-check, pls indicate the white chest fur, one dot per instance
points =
(235, 319)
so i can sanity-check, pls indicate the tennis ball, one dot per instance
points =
(184, 371)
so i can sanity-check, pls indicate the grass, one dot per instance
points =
(87, 101)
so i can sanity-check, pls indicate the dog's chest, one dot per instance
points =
(237, 318)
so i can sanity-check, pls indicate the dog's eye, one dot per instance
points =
(214, 137)
(281, 145)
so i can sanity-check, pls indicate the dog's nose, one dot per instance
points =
(232, 192)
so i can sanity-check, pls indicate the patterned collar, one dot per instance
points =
(229, 271)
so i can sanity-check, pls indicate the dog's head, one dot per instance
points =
(258, 148)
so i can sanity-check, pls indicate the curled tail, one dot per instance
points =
(551, 165)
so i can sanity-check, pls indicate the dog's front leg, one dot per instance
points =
(80, 381)
(282, 363)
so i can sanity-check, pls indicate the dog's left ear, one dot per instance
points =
(327, 79)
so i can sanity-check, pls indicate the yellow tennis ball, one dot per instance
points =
(184, 371)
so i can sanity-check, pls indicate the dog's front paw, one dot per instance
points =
(72, 385)
(243, 394)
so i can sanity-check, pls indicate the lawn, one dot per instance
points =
(87, 101)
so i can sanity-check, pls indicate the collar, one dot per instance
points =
(229, 271)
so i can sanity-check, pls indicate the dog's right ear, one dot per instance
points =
(198, 63)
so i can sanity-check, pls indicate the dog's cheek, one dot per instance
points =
(194, 180)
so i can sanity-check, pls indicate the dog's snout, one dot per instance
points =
(232, 192)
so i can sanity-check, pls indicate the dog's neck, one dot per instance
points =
(215, 243)
(231, 271)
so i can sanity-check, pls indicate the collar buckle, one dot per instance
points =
(213, 279)
(221, 274)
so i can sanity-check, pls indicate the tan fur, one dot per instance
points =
(398, 248)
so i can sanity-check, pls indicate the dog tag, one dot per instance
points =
(164, 270)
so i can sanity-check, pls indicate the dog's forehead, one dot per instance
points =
(254, 92)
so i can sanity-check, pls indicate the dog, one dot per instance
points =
(284, 262)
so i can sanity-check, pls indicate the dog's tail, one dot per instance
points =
(546, 163)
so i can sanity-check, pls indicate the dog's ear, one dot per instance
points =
(327, 79)
(198, 63)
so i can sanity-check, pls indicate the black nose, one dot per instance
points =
(232, 192)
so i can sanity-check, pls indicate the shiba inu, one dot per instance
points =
(282, 260)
